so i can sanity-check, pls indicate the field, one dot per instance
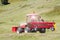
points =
(14, 14)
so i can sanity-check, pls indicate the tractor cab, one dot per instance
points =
(33, 18)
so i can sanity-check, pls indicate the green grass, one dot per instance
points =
(53, 15)
(31, 36)
(14, 13)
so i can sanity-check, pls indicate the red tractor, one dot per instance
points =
(34, 26)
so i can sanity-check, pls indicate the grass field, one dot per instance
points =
(14, 13)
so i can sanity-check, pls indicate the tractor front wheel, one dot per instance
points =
(27, 29)
(19, 30)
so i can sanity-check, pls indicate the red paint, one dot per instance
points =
(14, 29)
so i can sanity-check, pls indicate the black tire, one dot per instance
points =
(19, 30)
(53, 29)
(34, 30)
(42, 30)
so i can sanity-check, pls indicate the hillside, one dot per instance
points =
(15, 12)
(52, 15)
(19, 7)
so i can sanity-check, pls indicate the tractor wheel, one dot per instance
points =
(42, 30)
(27, 29)
(34, 30)
(19, 30)
(53, 29)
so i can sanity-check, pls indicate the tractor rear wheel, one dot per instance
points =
(42, 30)
(34, 30)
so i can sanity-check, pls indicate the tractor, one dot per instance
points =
(34, 26)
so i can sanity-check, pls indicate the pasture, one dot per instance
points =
(15, 12)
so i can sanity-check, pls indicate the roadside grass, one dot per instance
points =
(14, 13)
